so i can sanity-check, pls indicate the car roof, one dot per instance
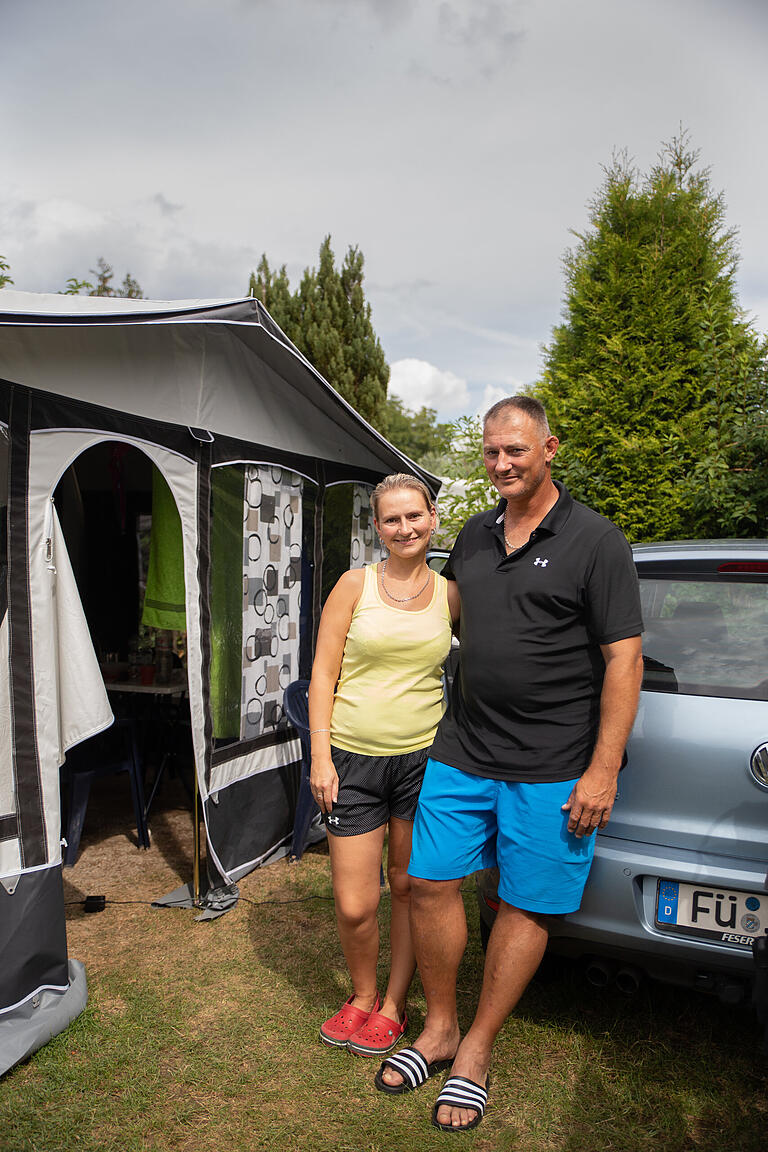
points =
(702, 550)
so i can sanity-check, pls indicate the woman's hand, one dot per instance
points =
(324, 782)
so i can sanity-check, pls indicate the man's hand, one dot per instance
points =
(591, 802)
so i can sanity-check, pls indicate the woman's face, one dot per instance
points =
(404, 522)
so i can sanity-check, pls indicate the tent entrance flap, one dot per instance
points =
(104, 486)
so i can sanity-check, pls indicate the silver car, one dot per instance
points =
(678, 888)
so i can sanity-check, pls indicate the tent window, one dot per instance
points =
(365, 547)
(256, 549)
(349, 537)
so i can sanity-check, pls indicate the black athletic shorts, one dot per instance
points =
(373, 788)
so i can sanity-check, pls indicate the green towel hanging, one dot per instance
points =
(164, 600)
(226, 600)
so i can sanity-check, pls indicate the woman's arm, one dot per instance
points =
(331, 638)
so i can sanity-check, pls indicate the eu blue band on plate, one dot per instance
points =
(666, 912)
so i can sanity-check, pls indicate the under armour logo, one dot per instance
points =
(333, 819)
(539, 562)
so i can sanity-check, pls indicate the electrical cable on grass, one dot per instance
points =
(245, 899)
(103, 901)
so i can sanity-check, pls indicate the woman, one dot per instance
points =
(375, 699)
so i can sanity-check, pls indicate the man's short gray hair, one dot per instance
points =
(528, 405)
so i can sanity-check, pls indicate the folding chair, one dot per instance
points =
(296, 708)
(111, 751)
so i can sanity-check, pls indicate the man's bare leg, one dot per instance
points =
(439, 931)
(515, 948)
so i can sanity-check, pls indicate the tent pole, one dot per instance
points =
(196, 843)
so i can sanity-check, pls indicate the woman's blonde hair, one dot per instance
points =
(394, 483)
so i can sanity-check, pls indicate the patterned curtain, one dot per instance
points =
(272, 595)
(365, 547)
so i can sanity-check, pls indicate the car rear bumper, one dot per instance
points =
(618, 907)
(616, 917)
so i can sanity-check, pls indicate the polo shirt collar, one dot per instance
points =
(553, 522)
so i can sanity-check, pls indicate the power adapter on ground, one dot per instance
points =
(95, 903)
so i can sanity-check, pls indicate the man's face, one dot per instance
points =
(516, 454)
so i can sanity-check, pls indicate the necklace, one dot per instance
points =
(402, 599)
(510, 546)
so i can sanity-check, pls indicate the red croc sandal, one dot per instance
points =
(377, 1036)
(337, 1030)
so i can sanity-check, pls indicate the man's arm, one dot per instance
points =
(591, 801)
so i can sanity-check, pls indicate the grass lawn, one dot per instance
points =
(203, 1038)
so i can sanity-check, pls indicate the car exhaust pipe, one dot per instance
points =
(599, 973)
(628, 980)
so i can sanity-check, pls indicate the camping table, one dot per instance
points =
(175, 688)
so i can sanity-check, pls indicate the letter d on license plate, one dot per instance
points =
(666, 909)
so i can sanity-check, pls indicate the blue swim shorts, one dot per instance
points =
(465, 822)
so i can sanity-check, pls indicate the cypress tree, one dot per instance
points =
(329, 320)
(274, 291)
(655, 382)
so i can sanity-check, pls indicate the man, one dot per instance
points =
(525, 762)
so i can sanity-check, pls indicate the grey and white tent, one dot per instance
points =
(215, 396)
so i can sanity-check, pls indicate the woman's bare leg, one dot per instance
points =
(403, 957)
(355, 871)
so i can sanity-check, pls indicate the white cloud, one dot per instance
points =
(50, 219)
(420, 384)
(492, 393)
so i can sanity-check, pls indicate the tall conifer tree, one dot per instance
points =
(655, 382)
(329, 320)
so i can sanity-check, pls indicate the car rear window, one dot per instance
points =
(706, 638)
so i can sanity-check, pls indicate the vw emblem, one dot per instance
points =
(758, 765)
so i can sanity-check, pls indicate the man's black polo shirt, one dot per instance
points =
(525, 701)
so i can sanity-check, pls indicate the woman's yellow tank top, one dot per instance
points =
(389, 698)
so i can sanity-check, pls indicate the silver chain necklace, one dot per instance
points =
(512, 547)
(402, 599)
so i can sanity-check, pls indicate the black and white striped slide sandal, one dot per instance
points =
(413, 1068)
(459, 1092)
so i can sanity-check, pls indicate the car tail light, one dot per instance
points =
(744, 566)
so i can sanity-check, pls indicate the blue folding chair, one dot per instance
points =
(296, 708)
(114, 750)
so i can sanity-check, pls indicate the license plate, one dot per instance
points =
(720, 914)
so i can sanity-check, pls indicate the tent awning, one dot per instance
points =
(224, 367)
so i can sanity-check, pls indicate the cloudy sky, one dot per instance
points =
(456, 143)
